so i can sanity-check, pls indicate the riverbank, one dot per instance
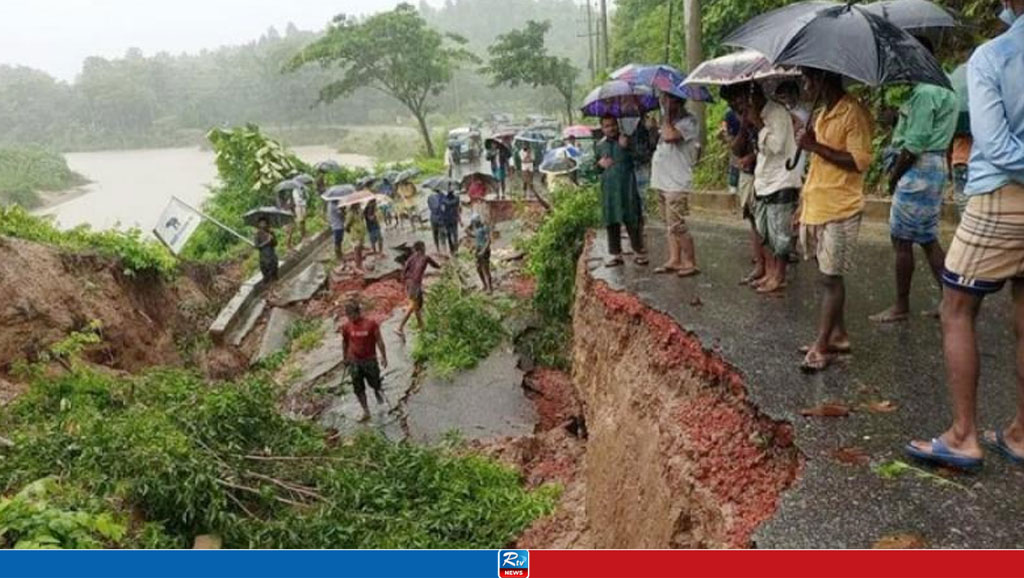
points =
(35, 178)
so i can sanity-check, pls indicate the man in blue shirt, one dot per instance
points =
(988, 249)
(435, 203)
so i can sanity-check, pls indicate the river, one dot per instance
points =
(131, 188)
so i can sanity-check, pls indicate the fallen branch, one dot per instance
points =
(290, 486)
(242, 488)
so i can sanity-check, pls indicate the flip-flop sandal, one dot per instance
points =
(612, 263)
(844, 350)
(889, 319)
(818, 364)
(666, 271)
(941, 455)
(1000, 445)
(642, 261)
(688, 273)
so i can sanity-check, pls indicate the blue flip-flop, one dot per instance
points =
(1001, 446)
(941, 455)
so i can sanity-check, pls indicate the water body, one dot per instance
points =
(131, 188)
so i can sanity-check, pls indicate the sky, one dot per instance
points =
(57, 35)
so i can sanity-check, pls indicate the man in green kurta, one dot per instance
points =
(620, 199)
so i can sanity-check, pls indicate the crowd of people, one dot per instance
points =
(815, 208)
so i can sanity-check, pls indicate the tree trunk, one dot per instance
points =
(424, 131)
(694, 56)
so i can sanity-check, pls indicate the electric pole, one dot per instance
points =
(668, 32)
(694, 56)
(604, 36)
(590, 35)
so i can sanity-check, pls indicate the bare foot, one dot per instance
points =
(771, 286)
(891, 315)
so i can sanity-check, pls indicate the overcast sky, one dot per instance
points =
(57, 35)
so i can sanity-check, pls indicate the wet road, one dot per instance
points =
(835, 505)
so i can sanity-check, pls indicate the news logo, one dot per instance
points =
(513, 564)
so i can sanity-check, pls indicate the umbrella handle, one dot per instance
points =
(793, 162)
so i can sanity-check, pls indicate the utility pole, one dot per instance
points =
(590, 42)
(604, 36)
(694, 56)
(668, 32)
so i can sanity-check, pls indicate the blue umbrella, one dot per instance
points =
(665, 78)
(619, 99)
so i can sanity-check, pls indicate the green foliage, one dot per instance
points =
(462, 327)
(136, 256)
(306, 334)
(520, 57)
(548, 346)
(557, 246)
(192, 457)
(249, 166)
(29, 521)
(712, 170)
(24, 172)
(394, 52)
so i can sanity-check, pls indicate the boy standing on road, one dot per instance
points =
(362, 339)
(412, 276)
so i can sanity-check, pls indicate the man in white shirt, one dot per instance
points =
(672, 176)
(776, 188)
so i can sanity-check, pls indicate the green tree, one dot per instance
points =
(520, 57)
(394, 52)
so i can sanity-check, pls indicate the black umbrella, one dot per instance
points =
(913, 15)
(442, 184)
(487, 178)
(276, 217)
(842, 38)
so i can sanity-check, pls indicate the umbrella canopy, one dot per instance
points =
(619, 99)
(288, 186)
(844, 39)
(495, 142)
(276, 217)
(532, 136)
(560, 161)
(742, 66)
(305, 179)
(347, 195)
(488, 179)
(442, 184)
(913, 15)
(328, 166)
(579, 131)
(366, 182)
(662, 77)
(406, 175)
(389, 176)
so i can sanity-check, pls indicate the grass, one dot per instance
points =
(26, 172)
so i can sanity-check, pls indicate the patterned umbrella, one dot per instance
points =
(347, 195)
(619, 99)
(742, 66)
(664, 78)
(579, 131)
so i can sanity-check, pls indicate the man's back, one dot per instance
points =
(436, 205)
(995, 79)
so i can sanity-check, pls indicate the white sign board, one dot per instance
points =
(176, 225)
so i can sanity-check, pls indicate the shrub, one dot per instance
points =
(24, 172)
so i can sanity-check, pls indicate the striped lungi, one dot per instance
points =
(988, 249)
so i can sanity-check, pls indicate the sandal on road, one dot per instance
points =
(666, 270)
(614, 262)
(889, 317)
(815, 362)
(692, 272)
(642, 261)
(996, 442)
(838, 349)
(941, 455)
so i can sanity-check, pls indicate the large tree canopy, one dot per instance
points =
(394, 52)
(520, 57)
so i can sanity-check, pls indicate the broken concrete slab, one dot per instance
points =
(385, 269)
(275, 336)
(483, 403)
(327, 357)
(304, 285)
(248, 322)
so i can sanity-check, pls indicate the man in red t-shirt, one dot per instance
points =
(362, 340)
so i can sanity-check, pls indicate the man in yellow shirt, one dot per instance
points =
(832, 203)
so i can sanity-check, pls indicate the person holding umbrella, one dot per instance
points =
(832, 204)
(672, 177)
(620, 201)
(336, 220)
(266, 245)
(922, 137)
(988, 249)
